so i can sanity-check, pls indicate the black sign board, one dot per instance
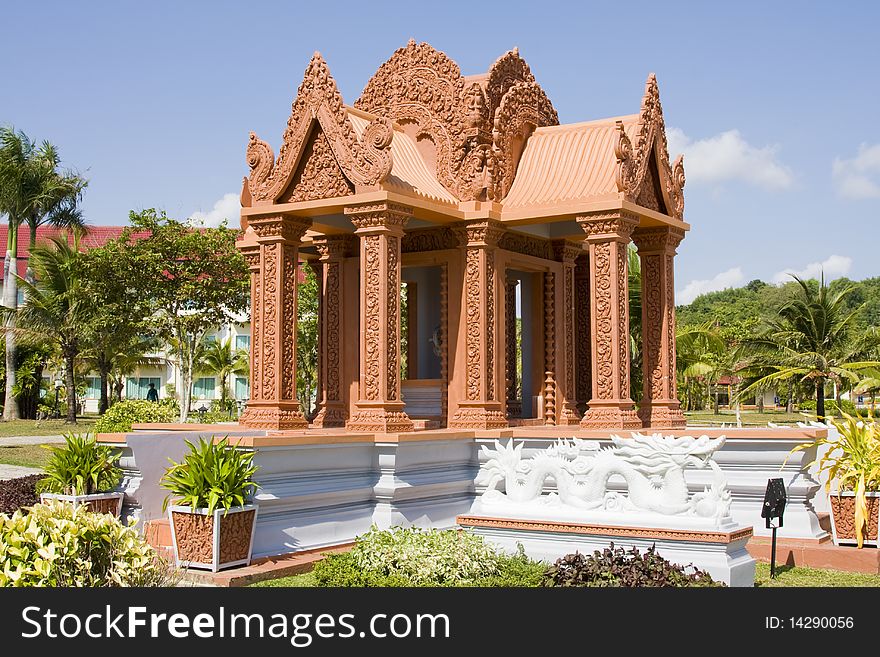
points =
(774, 501)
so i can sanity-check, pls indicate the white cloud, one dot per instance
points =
(228, 207)
(859, 177)
(731, 278)
(727, 156)
(834, 266)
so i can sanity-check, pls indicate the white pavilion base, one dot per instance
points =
(548, 534)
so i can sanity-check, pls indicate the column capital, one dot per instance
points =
(380, 217)
(479, 233)
(334, 247)
(609, 225)
(663, 239)
(567, 251)
(279, 228)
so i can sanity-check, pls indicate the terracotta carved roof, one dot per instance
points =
(421, 129)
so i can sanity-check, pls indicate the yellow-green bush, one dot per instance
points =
(57, 545)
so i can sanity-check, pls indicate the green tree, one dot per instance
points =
(195, 280)
(32, 191)
(699, 351)
(222, 359)
(306, 338)
(56, 308)
(811, 339)
(119, 311)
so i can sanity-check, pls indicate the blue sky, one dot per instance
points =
(775, 104)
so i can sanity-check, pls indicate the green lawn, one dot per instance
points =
(749, 418)
(31, 456)
(785, 576)
(45, 427)
(789, 576)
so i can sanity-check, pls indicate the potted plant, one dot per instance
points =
(212, 523)
(83, 472)
(852, 461)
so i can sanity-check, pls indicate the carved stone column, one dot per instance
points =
(514, 403)
(480, 407)
(549, 348)
(608, 235)
(583, 342)
(660, 408)
(567, 413)
(273, 403)
(332, 250)
(380, 227)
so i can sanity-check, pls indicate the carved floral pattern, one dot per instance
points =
(472, 345)
(583, 370)
(318, 175)
(392, 335)
(604, 385)
(288, 324)
(270, 326)
(428, 239)
(523, 108)
(371, 255)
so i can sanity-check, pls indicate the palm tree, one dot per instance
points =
(699, 350)
(55, 306)
(222, 359)
(32, 191)
(811, 339)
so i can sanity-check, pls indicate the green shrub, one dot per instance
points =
(628, 568)
(831, 408)
(211, 476)
(122, 415)
(80, 467)
(417, 557)
(57, 545)
(210, 417)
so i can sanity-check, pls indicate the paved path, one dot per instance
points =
(12, 441)
(15, 471)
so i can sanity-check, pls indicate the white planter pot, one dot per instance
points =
(221, 539)
(97, 502)
(843, 519)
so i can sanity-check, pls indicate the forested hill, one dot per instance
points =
(747, 305)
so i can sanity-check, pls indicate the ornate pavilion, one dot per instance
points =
(467, 190)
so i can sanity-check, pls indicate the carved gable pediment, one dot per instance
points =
(318, 174)
(645, 175)
(318, 101)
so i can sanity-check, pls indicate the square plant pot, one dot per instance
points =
(221, 539)
(843, 512)
(97, 502)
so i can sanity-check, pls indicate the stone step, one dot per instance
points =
(816, 554)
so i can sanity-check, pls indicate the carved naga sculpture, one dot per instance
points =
(652, 466)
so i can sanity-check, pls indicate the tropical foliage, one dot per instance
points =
(33, 191)
(213, 475)
(851, 461)
(56, 544)
(120, 416)
(81, 467)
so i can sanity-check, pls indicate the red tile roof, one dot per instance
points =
(95, 236)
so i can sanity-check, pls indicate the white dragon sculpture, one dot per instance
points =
(652, 466)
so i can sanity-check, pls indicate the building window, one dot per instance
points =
(204, 388)
(242, 388)
(93, 387)
(209, 339)
(137, 387)
(243, 342)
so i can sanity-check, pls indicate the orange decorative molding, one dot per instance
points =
(380, 227)
(610, 406)
(606, 530)
(660, 407)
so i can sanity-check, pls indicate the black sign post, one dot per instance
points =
(774, 507)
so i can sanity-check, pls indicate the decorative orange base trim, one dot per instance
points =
(328, 417)
(380, 421)
(606, 530)
(478, 418)
(662, 415)
(611, 418)
(269, 417)
(569, 416)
